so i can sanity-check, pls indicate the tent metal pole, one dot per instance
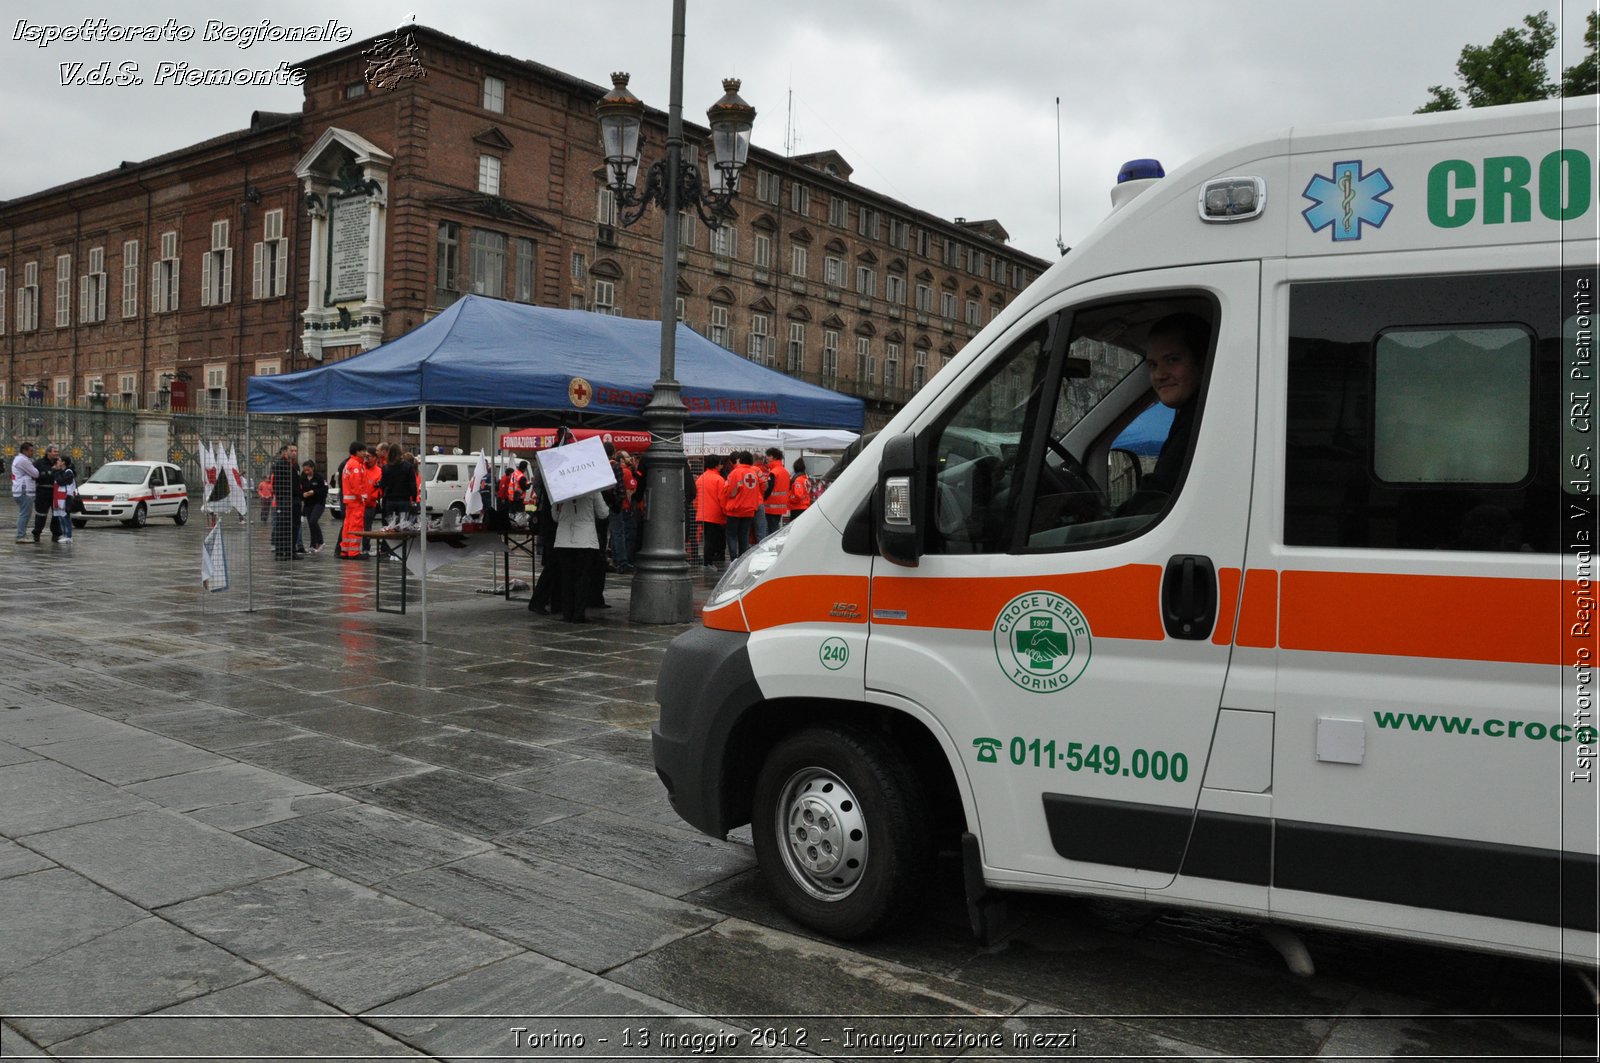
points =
(249, 537)
(422, 511)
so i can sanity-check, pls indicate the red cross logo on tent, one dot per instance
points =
(579, 392)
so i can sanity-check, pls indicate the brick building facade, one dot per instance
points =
(309, 237)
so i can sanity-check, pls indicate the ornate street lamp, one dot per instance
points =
(662, 588)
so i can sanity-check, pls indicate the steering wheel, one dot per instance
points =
(1072, 479)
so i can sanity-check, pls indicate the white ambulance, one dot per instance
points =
(1328, 659)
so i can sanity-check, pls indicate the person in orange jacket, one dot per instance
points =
(709, 490)
(777, 501)
(357, 493)
(799, 490)
(743, 494)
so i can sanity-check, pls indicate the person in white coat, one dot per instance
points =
(578, 551)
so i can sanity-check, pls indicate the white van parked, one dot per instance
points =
(1329, 661)
(445, 481)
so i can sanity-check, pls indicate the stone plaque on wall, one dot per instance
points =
(349, 225)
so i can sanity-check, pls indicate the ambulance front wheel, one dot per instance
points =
(842, 830)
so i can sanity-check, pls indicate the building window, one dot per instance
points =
(922, 242)
(577, 266)
(216, 387)
(797, 347)
(605, 297)
(833, 271)
(128, 388)
(830, 355)
(355, 90)
(272, 368)
(488, 263)
(997, 269)
(718, 331)
(63, 390)
(28, 299)
(576, 301)
(974, 312)
(919, 369)
(447, 279)
(838, 210)
(798, 261)
(947, 305)
(605, 214)
(489, 175)
(681, 308)
(867, 223)
(270, 278)
(725, 242)
(494, 95)
(895, 290)
(763, 251)
(216, 268)
(866, 281)
(800, 198)
(757, 348)
(767, 187)
(900, 233)
(63, 291)
(525, 260)
(891, 365)
(924, 299)
(130, 278)
(950, 253)
(865, 369)
(2, 301)
(92, 288)
(685, 229)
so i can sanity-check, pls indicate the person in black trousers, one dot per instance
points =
(314, 492)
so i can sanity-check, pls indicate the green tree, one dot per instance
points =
(1513, 68)
(1583, 78)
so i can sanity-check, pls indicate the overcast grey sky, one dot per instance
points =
(948, 105)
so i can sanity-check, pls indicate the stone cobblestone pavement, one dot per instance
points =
(296, 832)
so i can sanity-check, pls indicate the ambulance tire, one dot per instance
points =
(842, 831)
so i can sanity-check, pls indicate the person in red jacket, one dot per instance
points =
(743, 496)
(709, 491)
(357, 494)
(777, 502)
(799, 490)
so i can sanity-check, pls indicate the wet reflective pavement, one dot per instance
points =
(378, 848)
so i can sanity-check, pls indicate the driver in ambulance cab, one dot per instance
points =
(1174, 355)
(1175, 358)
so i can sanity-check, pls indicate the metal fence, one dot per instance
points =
(90, 435)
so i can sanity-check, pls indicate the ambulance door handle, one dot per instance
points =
(1189, 596)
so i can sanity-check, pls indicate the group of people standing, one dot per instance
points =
(43, 490)
(740, 499)
(369, 488)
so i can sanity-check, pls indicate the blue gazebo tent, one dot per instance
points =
(487, 360)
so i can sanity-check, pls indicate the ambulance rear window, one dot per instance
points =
(1452, 406)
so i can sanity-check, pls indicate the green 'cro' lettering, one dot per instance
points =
(1505, 181)
(1447, 208)
(1578, 185)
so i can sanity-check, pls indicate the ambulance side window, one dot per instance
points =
(976, 452)
(1424, 412)
(1047, 450)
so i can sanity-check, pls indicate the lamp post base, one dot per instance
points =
(663, 590)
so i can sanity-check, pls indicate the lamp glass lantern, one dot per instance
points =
(731, 119)
(621, 116)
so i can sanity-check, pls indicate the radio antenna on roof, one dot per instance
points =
(1060, 243)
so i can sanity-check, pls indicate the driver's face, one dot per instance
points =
(1174, 372)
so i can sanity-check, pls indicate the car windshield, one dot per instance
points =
(121, 474)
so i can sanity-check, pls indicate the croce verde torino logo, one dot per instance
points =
(1042, 641)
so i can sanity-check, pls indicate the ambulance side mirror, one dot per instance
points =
(896, 505)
